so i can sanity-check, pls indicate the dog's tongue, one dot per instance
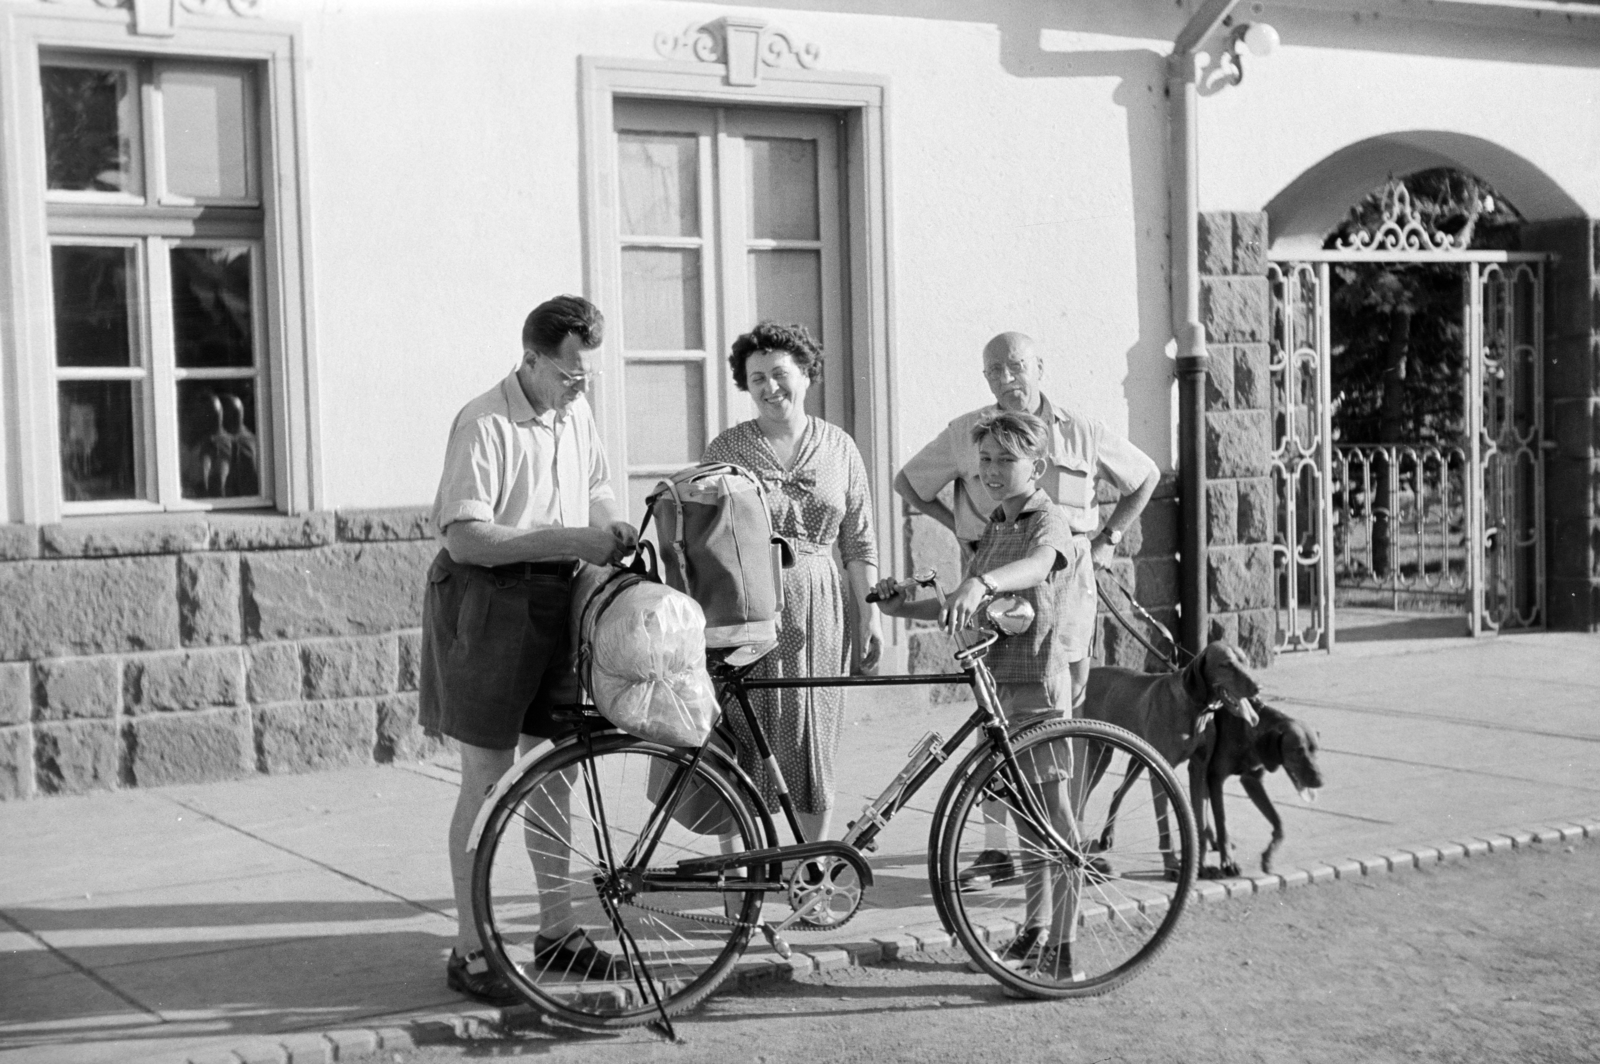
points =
(1307, 794)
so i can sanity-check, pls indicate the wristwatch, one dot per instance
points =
(994, 588)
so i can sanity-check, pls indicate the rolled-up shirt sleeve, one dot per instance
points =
(937, 464)
(599, 468)
(1121, 463)
(471, 483)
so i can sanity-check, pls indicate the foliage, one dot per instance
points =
(1406, 319)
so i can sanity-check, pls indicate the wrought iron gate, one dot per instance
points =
(1463, 520)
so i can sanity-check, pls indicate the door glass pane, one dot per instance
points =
(787, 286)
(99, 425)
(90, 129)
(783, 188)
(211, 308)
(206, 124)
(666, 412)
(220, 456)
(661, 299)
(92, 290)
(660, 186)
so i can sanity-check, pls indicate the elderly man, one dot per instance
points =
(526, 494)
(1083, 454)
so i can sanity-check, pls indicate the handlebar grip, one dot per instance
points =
(872, 596)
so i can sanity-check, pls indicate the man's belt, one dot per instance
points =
(522, 570)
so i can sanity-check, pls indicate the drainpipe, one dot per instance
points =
(1192, 359)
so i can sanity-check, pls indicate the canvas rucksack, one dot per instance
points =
(717, 545)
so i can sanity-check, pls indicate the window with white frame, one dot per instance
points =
(155, 217)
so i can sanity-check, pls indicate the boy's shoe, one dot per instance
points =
(576, 954)
(484, 984)
(1055, 962)
(991, 869)
(1016, 951)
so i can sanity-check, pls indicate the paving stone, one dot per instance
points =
(934, 939)
(1399, 859)
(307, 1049)
(1452, 851)
(796, 964)
(1422, 855)
(1499, 843)
(896, 946)
(199, 747)
(208, 599)
(184, 680)
(16, 692)
(1570, 832)
(1348, 869)
(1475, 847)
(1210, 891)
(824, 960)
(1321, 873)
(262, 1052)
(1295, 877)
(865, 954)
(1521, 839)
(1374, 865)
(348, 668)
(1267, 884)
(352, 1043)
(1548, 835)
(76, 756)
(77, 688)
(274, 673)
(215, 1056)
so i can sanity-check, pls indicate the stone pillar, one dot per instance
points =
(1236, 309)
(1572, 420)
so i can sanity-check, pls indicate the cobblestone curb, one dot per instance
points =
(762, 969)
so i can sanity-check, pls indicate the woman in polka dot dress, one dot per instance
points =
(817, 494)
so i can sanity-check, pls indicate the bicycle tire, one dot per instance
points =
(1121, 905)
(685, 943)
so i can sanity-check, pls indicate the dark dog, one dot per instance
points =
(1167, 710)
(1233, 748)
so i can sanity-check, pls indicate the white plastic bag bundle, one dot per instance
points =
(646, 665)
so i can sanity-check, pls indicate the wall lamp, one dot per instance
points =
(1258, 38)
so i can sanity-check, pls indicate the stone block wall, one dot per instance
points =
(1145, 565)
(140, 652)
(1572, 420)
(1236, 308)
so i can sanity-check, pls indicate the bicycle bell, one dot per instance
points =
(1009, 614)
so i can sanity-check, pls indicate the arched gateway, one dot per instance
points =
(1453, 515)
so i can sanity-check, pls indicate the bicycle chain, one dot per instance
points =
(728, 921)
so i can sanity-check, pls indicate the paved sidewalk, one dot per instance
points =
(303, 918)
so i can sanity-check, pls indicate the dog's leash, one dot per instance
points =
(1173, 659)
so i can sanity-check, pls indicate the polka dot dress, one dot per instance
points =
(819, 500)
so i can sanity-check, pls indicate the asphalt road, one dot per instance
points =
(1492, 959)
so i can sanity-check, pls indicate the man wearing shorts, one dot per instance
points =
(526, 494)
(1084, 453)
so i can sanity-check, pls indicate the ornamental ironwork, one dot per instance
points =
(1402, 228)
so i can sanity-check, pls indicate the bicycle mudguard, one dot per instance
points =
(799, 852)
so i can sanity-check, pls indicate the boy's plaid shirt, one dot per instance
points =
(1036, 654)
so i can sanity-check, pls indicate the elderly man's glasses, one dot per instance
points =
(999, 371)
(579, 379)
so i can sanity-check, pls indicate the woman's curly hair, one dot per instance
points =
(795, 340)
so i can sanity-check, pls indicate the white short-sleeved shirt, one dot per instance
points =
(508, 466)
(1082, 452)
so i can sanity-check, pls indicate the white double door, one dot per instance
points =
(723, 217)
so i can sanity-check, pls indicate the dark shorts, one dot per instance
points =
(496, 653)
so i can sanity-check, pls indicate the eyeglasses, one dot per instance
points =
(582, 379)
(999, 371)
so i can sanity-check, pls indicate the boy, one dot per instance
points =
(1027, 549)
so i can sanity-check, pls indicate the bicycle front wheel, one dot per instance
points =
(579, 843)
(1098, 863)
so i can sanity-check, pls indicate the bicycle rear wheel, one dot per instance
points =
(669, 941)
(1080, 919)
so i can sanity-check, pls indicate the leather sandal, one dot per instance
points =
(576, 954)
(486, 985)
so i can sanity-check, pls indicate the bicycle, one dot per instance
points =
(665, 855)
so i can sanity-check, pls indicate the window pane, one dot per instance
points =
(90, 129)
(661, 299)
(94, 318)
(211, 309)
(639, 489)
(783, 189)
(666, 412)
(788, 287)
(660, 186)
(98, 441)
(206, 126)
(217, 434)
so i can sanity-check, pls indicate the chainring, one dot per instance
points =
(834, 881)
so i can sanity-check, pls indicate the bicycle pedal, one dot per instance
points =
(775, 940)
